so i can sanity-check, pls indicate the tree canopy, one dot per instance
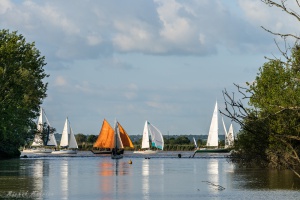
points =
(22, 90)
(270, 128)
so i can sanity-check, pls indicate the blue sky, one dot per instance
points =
(165, 61)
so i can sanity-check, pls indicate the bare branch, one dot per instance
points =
(283, 7)
(282, 35)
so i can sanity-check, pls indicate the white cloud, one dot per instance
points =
(5, 5)
(175, 28)
(84, 87)
(60, 81)
(94, 39)
(271, 17)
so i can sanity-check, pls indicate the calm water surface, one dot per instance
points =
(164, 176)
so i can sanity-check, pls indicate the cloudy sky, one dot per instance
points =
(165, 61)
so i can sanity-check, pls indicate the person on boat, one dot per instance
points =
(117, 151)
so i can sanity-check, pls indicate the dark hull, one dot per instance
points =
(101, 151)
(212, 151)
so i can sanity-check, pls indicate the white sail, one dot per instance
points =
(37, 141)
(230, 136)
(195, 143)
(145, 140)
(40, 121)
(51, 138)
(226, 134)
(118, 141)
(156, 137)
(224, 127)
(73, 143)
(64, 142)
(212, 139)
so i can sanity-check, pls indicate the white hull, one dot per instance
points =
(146, 152)
(39, 150)
(66, 151)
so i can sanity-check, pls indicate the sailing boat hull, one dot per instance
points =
(204, 150)
(116, 156)
(101, 151)
(146, 152)
(38, 150)
(65, 151)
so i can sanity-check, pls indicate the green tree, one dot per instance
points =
(270, 131)
(22, 90)
(92, 138)
(81, 138)
(182, 140)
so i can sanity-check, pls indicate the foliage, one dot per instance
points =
(91, 138)
(270, 131)
(43, 135)
(270, 126)
(21, 87)
(179, 140)
(80, 138)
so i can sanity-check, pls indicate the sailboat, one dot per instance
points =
(68, 144)
(229, 136)
(213, 139)
(104, 142)
(195, 143)
(117, 152)
(38, 145)
(157, 140)
(120, 141)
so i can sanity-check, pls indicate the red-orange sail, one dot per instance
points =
(124, 137)
(106, 136)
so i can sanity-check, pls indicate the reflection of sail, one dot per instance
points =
(107, 170)
(145, 184)
(38, 177)
(64, 179)
(213, 172)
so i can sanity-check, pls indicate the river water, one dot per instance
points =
(163, 176)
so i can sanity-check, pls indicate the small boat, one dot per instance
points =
(157, 140)
(213, 140)
(195, 143)
(229, 136)
(68, 144)
(120, 140)
(104, 142)
(39, 145)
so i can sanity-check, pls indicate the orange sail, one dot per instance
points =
(106, 136)
(124, 137)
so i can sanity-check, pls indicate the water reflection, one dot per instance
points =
(113, 167)
(111, 173)
(213, 174)
(23, 179)
(38, 173)
(246, 178)
(145, 179)
(159, 178)
(64, 179)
